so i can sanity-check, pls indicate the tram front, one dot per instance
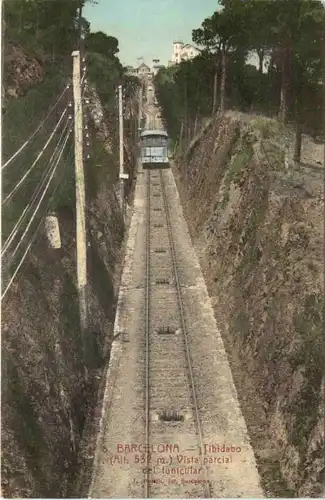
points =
(154, 149)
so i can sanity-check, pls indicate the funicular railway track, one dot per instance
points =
(168, 379)
(171, 406)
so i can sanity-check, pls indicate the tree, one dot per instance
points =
(287, 30)
(307, 62)
(293, 21)
(101, 43)
(224, 32)
(205, 37)
(46, 26)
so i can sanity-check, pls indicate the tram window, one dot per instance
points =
(151, 141)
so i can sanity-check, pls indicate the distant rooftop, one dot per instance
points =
(154, 132)
(189, 45)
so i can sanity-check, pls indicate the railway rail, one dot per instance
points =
(171, 407)
(170, 423)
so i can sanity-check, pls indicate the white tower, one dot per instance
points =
(177, 47)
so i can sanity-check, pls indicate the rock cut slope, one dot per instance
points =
(257, 223)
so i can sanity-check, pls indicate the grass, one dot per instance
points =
(268, 127)
(240, 162)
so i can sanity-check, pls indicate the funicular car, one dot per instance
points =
(154, 149)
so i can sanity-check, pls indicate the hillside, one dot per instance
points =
(249, 165)
(51, 373)
(257, 223)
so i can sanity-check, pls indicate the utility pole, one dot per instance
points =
(323, 47)
(121, 133)
(186, 134)
(80, 196)
(139, 124)
(181, 138)
(2, 28)
(140, 107)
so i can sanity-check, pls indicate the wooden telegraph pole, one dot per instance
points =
(323, 103)
(140, 107)
(123, 176)
(139, 124)
(80, 196)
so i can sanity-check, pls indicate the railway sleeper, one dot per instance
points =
(171, 416)
(166, 330)
(162, 281)
(160, 250)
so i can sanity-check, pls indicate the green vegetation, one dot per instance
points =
(241, 161)
(267, 127)
(286, 36)
(43, 35)
(39, 39)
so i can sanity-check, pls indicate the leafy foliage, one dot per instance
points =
(287, 32)
(51, 28)
(102, 44)
(49, 31)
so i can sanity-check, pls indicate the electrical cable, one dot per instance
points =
(33, 237)
(9, 196)
(36, 193)
(35, 132)
(30, 244)
(44, 192)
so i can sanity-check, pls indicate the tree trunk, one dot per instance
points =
(79, 23)
(223, 80)
(261, 60)
(285, 83)
(185, 116)
(20, 20)
(195, 124)
(37, 25)
(181, 138)
(215, 86)
(297, 153)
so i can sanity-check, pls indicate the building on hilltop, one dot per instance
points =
(156, 66)
(131, 71)
(141, 71)
(183, 52)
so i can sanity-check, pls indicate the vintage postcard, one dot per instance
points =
(162, 170)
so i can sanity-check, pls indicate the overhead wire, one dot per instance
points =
(33, 237)
(36, 130)
(10, 195)
(14, 231)
(44, 192)
(35, 234)
(36, 193)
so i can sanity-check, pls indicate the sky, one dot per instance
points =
(147, 28)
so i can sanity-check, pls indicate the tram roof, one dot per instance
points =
(145, 133)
